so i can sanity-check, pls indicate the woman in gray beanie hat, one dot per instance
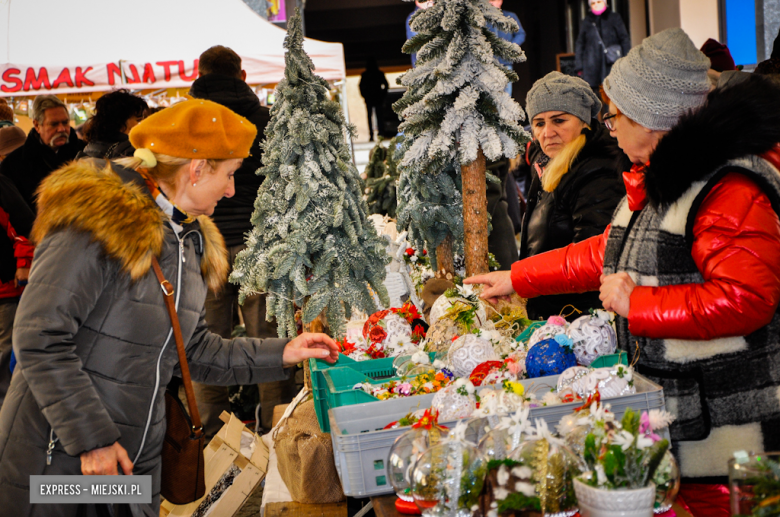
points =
(575, 182)
(689, 262)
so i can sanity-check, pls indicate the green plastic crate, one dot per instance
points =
(348, 371)
(605, 361)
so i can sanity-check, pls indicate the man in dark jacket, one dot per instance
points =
(50, 144)
(221, 80)
(373, 88)
(601, 28)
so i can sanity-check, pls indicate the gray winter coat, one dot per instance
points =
(93, 338)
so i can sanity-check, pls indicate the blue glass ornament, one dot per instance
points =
(548, 357)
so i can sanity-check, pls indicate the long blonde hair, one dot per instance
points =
(164, 172)
(562, 162)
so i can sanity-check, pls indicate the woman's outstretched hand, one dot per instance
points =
(498, 285)
(307, 345)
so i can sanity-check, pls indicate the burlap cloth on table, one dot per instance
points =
(305, 456)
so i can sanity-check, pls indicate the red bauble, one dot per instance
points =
(479, 373)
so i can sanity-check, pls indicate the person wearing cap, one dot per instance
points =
(92, 334)
(16, 253)
(600, 29)
(689, 262)
(575, 183)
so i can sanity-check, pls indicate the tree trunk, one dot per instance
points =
(475, 222)
(444, 259)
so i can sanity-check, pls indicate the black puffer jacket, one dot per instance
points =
(589, 54)
(92, 335)
(233, 215)
(32, 162)
(580, 207)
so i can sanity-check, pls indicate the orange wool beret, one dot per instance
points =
(195, 128)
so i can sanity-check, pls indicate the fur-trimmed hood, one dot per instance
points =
(121, 215)
(736, 121)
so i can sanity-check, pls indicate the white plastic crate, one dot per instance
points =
(361, 446)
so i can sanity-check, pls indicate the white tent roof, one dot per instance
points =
(156, 43)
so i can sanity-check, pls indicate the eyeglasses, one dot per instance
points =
(609, 122)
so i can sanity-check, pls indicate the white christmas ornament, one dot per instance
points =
(555, 325)
(592, 336)
(455, 401)
(469, 351)
(614, 381)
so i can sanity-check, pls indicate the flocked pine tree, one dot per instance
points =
(456, 113)
(311, 244)
(382, 178)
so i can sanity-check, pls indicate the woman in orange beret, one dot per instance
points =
(92, 335)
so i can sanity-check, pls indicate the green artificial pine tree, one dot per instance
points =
(311, 244)
(382, 178)
(455, 113)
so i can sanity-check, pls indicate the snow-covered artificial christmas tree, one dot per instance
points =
(311, 244)
(382, 178)
(456, 113)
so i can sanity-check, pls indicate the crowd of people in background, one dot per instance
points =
(650, 127)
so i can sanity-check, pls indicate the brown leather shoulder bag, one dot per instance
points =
(183, 478)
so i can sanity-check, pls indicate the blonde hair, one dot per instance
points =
(562, 162)
(165, 170)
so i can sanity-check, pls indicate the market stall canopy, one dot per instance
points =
(144, 44)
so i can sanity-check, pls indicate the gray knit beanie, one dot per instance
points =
(558, 92)
(659, 80)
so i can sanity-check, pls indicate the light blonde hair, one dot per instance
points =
(166, 169)
(562, 162)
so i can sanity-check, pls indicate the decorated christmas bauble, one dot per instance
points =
(443, 303)
(569, 378)
(447, 478)
(555, 325)
(404, 453)
(440, 335)
(546, 468)
(667, 483)
(482, 370)
(614, 381)
(389, 332)
(592, 336)
(548, 357)
(467, 352)
(456, 401)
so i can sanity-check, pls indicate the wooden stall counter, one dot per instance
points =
(384, 506)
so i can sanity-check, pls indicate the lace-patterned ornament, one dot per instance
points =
(453, 405)
(555, 325)
(614, 381)
(592, 336)
(467, 352)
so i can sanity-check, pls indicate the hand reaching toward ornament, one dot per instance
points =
(498, 285)
(307, 345)
(616, 292)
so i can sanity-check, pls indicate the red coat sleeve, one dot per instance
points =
(736, 248)
(573, 269)
(23, 249)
